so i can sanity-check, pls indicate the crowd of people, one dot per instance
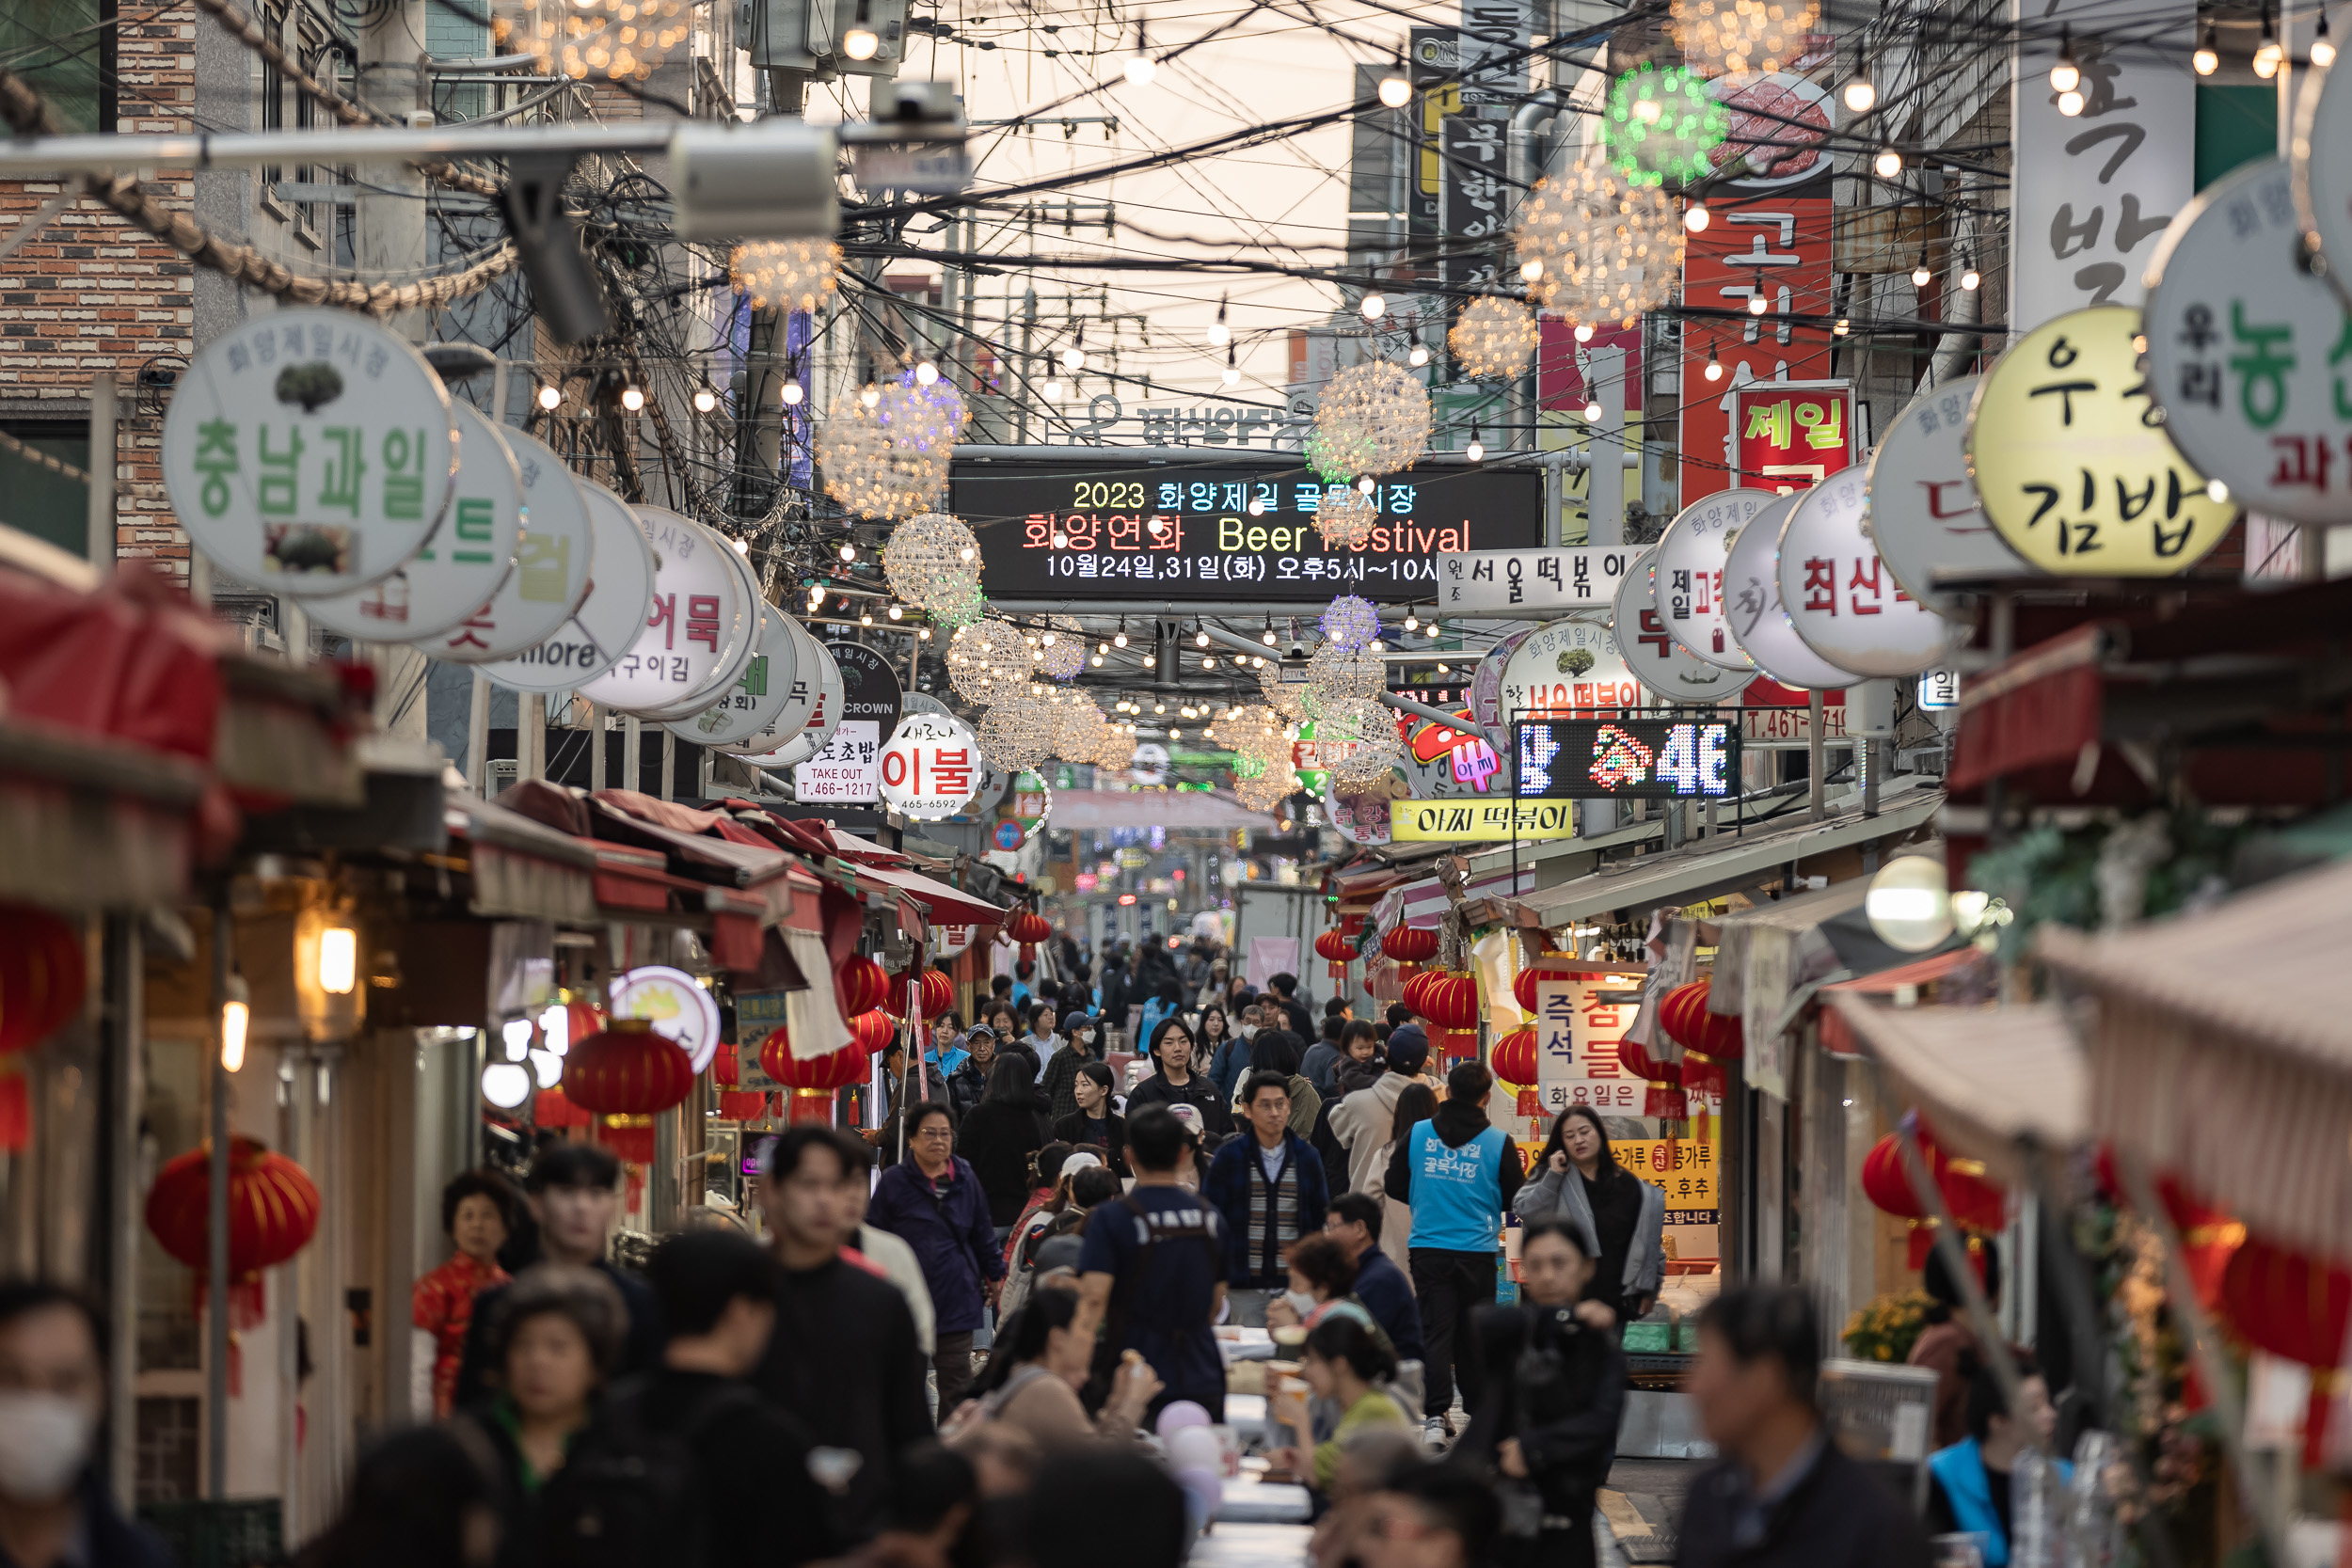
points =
(996, 1314)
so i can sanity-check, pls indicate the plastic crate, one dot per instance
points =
(1878, 1410)
(243, 1533)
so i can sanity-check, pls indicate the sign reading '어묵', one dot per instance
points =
(1532, 583)
(1580, 1017)
(310, 452)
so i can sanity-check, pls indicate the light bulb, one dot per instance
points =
(1476, 450)
(1061, 541)
(848, 551)
(1074, 358)
(1174, 734)
(898, 612)
(705, 399)
(2216, 492)
(2323, 47)
(1695, 217)
(234, 1016)
(2066, 76)
(1840, 328)
(506, 1084)
(2270, 56)
(1119, 640)
(926, 373)
(2208, 57)
(1920, 275)
(631, 398)
(1231, 375)
(1140, 67)
(1861, 95)
(1412, 623)
(923, 634)
(1098, 661)
(872, 397)
(965, 554)
(2070, 103)
(1053, 387)
(861, 44)
(1219, 335)
(1395, 91)
(1375, 306)
(1583, 332)
(1201, 640)
(338, 960)
(865, 618)
(1257, 506)
(1419, 356)
(792, 394)
(1970, 278)
(1530, 269)
(1268, 637)
(1888, 164)
(1714, 364)
(1364, 486)
(549, 397)
(1757, 304)
(1592, 413)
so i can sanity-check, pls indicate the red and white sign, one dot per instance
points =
(1790, 436)
(1580, 1016)
(931, 769)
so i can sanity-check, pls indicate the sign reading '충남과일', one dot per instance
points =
(2072, 463)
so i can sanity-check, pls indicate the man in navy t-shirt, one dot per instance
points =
(1154, 1263)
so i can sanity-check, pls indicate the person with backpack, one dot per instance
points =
(1085, 1186)
(1151, 1271)
(655, 1477)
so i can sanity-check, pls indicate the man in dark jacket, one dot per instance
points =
(1179, 1083)
(1115, 998)
(1353, 1221)
(1283, 989)
(1269, 1185)
(1458, 1173)
(1784, 1494)
(53, 1506)
(968, 1084)
(933, 1201)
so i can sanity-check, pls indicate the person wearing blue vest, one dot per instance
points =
(1970, 1483)
(1458, 1174)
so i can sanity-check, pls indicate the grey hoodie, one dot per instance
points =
(1560, 1195)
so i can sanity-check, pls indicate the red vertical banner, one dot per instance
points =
(1769, 231)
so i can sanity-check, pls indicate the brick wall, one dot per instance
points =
(89, 292)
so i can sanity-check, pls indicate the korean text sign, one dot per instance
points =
(1531, 582)
(1608, 759)
(1580, 1016)
(1790, 435)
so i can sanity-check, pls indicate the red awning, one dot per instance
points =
(945, 904)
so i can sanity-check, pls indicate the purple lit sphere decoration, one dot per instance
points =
(1351, 623)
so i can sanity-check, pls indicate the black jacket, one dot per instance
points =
(967, 1087)
(1115, 998)
(744, 1447)
(1838, 1517)
(1071, 1130)
(998, 1139)
(640, 1351)
(114, 1539)
(1456, 1124)
(1566, 1385)
(1196, 1091)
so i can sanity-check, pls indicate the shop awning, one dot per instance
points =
(523, 869)
(2222, 1051)
(1177, 810)
(1957, 968)
(1988, 1079)
(88, 824)
(943, 905)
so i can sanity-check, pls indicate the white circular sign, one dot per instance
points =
(2246, 349)
(687, 634)
(1567, 669)
(1360, 812)
(310, 452)
(1485, 688)
(471, 555)
(599, 632)
(1689, 568)
(799, 692)
(758, 695)
(1752, 599)
(1665, 667)
(831, 692)
(554, 554)
(930, 766)
(1839, 595)
(2323, 172)
(1922, 514)
(678, 1009)
(738, 656)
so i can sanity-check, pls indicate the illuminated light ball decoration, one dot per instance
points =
(1661, 124)
(1493, 337)
(1270, 788)
(1114, 748)
(1346, 518)
(932, 562)
(1351, 623)
(1078, 730)
(1017, 733)
(612, 40)
(786, 275)
(1602, 248)
(1335, 676)
(1258, 736)
(1061, 648)
(988, 661)
(1331, 466)
(890, 459)
(1732, 36)
(1287, 698)
(1365, 732)
(1374, 418)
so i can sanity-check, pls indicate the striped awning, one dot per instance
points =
(1992, 1082)
(2222, 1051)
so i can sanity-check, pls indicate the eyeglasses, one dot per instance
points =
(939, 1133)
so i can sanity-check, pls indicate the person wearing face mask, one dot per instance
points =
(1094, 1121)
(1177, 1084)
(1082, 1038)
(55, 1512)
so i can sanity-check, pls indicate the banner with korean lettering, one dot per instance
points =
(1563, 363)
(1770, 230)
(2090, 192)
(1790, 435)
(1580, 1016)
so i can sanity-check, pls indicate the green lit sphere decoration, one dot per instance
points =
(1661, 124)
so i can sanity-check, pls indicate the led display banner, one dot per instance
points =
(1226, 533)
(1627, 759)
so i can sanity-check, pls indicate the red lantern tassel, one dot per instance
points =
(810, 1105)
(742, 1104)
(1922, 1242)
(1664, 1100)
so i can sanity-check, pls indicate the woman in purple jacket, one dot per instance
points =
(933, 1201)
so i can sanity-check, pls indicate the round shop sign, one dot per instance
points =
(1690, 570)
(823, 718)
(2244, 350)
(1665, 668)
(1922, 514)
(1567, 669)
(1840, 596)
(796, 690)
(871, 693)
(310, 452)
(2072, 463)
(593, 637)
(758, 695)
(1752, 590)
(554, 553)
(1360, 812)
(930, 766)
(1485, 688)
(682, 643)
(679, 1009)
(735, 657)
(471, 557)
(2323, 173)
(1010, 834)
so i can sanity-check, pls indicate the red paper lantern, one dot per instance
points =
(1682, 1012)
(1414, 985)
(1975, 1202)
(1029, 928)
(273, 1207)
(859, 984)
(16, 1110)
(874, 1031)
(628, 1070)
(43, 976)
(726, 1067)
(1523, 990)
(2287, 1303)
(552, 1107)
(629, 1138)
(1335, 950)
(744, 1104)
(1449, 1000)
(813, 1080)
(1410, 944)
(1513, 1057)
(939, 994)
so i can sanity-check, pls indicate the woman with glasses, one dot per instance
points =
(933, 1201)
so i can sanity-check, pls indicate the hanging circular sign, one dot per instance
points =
(1840, 596)
(735, 657)
(796, 690)
(678, 1009)
(1485, 688)
(823, 718)
(1689, 568)
(758, 694)
(2072, 464)
(1010, 834)
(310, 452)
(1567, 669)
(470, 559)
(2323, 173)
(1922, 514)
(1665, 667)
(1752, 593)
(682, 643)
(601, 630)
(930, 766)
(2245, 348)
(871, 694)
(554, 552)
(1360, 812)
